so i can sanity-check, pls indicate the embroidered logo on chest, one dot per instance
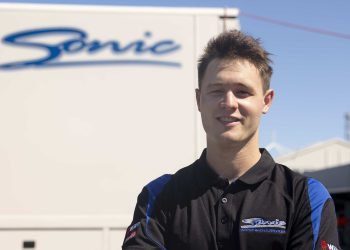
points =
(260, 225)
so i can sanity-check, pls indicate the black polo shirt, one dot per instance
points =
(269, 207)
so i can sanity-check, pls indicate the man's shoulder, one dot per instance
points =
(170, 182)
(299, 186)
(289, 174)
(294, 177)
(291, 184)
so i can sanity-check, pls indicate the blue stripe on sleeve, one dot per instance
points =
(318, 195)
(154, 188)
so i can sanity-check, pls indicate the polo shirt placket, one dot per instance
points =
(225, 220)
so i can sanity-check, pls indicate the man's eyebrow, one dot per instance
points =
(218, 84)
(215, 84)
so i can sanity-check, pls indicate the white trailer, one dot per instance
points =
(95, 102)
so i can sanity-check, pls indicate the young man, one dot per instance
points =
(234, 196)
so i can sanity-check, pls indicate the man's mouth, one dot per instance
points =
(228, 120)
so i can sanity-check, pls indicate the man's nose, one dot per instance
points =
(229, 101)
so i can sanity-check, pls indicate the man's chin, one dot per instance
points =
(226, 138)
(230, 138)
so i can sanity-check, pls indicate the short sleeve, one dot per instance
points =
(148, 227)
(328, 234)
(316, 225)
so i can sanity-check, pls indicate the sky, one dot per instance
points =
(310, 43)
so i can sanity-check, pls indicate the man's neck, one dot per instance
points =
(233, 161)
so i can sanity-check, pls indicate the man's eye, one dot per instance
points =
(216, 92)
(242, 93)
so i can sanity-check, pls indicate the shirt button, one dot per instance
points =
(224, 200)
(224, 220)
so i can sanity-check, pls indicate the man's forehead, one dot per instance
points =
(231, 72)
(222, 68)
(223, 63)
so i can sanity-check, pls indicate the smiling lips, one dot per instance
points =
(229, 120)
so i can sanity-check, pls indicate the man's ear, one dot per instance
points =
(268, 98)
(198, 99)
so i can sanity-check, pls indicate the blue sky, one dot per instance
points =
(311, 69)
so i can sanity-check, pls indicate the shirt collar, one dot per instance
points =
(260, 171)
(206, 176)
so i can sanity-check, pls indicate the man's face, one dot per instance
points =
(231, 101)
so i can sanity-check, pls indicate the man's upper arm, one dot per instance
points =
(328, 234)
(147, 230)
(316, 224)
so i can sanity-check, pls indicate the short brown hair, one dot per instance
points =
(236, 45)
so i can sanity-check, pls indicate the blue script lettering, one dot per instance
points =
(77, 42)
